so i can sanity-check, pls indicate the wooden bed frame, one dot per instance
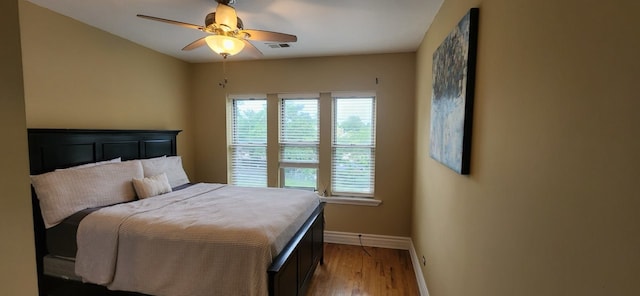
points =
(50, 149)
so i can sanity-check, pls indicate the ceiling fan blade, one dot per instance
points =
(186, 25)
(195, 44)
(260, 35)
(251, 49)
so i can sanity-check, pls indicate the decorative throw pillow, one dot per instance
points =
(171, 165)
(151, 186)
(64, 192)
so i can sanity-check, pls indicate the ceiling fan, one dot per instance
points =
(227, 35)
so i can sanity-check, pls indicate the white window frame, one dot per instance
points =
(372, 146)
(282, 164)
(325, 146)
(231, 138)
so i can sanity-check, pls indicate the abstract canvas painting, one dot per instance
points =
(452, 95)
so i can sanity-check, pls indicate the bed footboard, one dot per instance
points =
(291, 272)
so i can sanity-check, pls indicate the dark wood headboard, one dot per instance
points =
(51, 149)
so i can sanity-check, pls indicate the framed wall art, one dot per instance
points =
(453, 81)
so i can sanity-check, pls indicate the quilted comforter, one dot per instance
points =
(207, 239)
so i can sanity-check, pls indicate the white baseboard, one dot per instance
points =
(369, 240)
(381, 241)
(415, 261)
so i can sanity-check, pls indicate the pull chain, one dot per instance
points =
(223, 84)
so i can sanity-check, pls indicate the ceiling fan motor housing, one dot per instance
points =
(210, 19)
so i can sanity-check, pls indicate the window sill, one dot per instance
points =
(358, 201)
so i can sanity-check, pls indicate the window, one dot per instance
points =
(299, 141)
(248, 149)
(353, 146)
(322, 141)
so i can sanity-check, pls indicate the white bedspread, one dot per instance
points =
(208, 239)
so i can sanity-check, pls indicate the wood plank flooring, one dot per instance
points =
(356, 270)
(347, 270)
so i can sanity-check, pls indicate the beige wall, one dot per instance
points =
(17, 252)
(551, 206)
(395, 104)
(77, 76)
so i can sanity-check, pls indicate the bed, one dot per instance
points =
(288, 273)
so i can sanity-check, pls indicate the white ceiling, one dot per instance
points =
(323, 27)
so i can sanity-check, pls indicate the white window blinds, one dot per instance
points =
(353, 146)
(299, 140)
(248, 149)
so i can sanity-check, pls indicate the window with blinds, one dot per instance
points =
(353, 146)
(349, 165)
(299, 140)
(248, 149)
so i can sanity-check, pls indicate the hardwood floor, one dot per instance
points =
(347, 270)
(354, 270)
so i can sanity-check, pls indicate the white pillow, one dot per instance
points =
(151, 186)
(171, 165)
(62, 193)
(92, 164)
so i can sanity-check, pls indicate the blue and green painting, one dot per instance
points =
(452, 96)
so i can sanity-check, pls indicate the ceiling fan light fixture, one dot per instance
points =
(224, 45)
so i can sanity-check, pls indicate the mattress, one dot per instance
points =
(60, 267)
